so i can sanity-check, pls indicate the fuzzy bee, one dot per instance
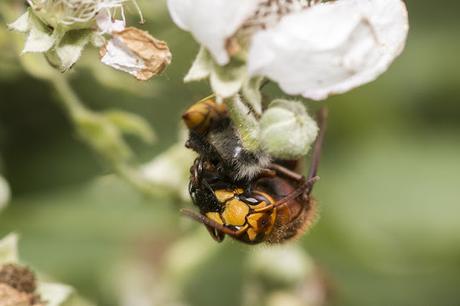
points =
(212, 134)
(273, 206)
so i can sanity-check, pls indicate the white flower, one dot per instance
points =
(212, 22)
(53, 293)
(72, 13)
(314, 50)
(332, 47)
(61, 29)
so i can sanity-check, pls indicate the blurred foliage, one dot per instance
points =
(388, 233)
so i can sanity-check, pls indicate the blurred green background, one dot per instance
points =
(389, 232)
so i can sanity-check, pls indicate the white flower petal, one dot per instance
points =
(212, 22)
(332, 47)
(106, 24)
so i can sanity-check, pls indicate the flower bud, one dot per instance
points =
(286, 130)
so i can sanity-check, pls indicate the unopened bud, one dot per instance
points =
(286, 130)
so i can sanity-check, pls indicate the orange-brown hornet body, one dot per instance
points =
(273, 207)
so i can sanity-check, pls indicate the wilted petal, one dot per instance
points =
(332, 47)
(136, 52)
(212, 22)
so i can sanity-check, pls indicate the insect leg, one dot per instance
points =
(286, 172)
(322, 121)
(211, 223)
(296, 193)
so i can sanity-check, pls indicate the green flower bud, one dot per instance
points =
(286, 130)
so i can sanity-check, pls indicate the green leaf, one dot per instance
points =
(286, 130)
(22, 24)
(69, 49)
(133, 124)
(9, 249)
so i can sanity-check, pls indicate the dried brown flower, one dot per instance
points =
(136, 52)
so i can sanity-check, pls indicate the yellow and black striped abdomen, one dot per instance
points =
(250, 216)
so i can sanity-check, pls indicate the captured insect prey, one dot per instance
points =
(212, 134)
(273, 206)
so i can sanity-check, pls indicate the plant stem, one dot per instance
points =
(74, 107)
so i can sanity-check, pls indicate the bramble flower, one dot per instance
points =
(61, 29)
(19, 285)
(212, 22)
(309, 48)
(70, 13)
